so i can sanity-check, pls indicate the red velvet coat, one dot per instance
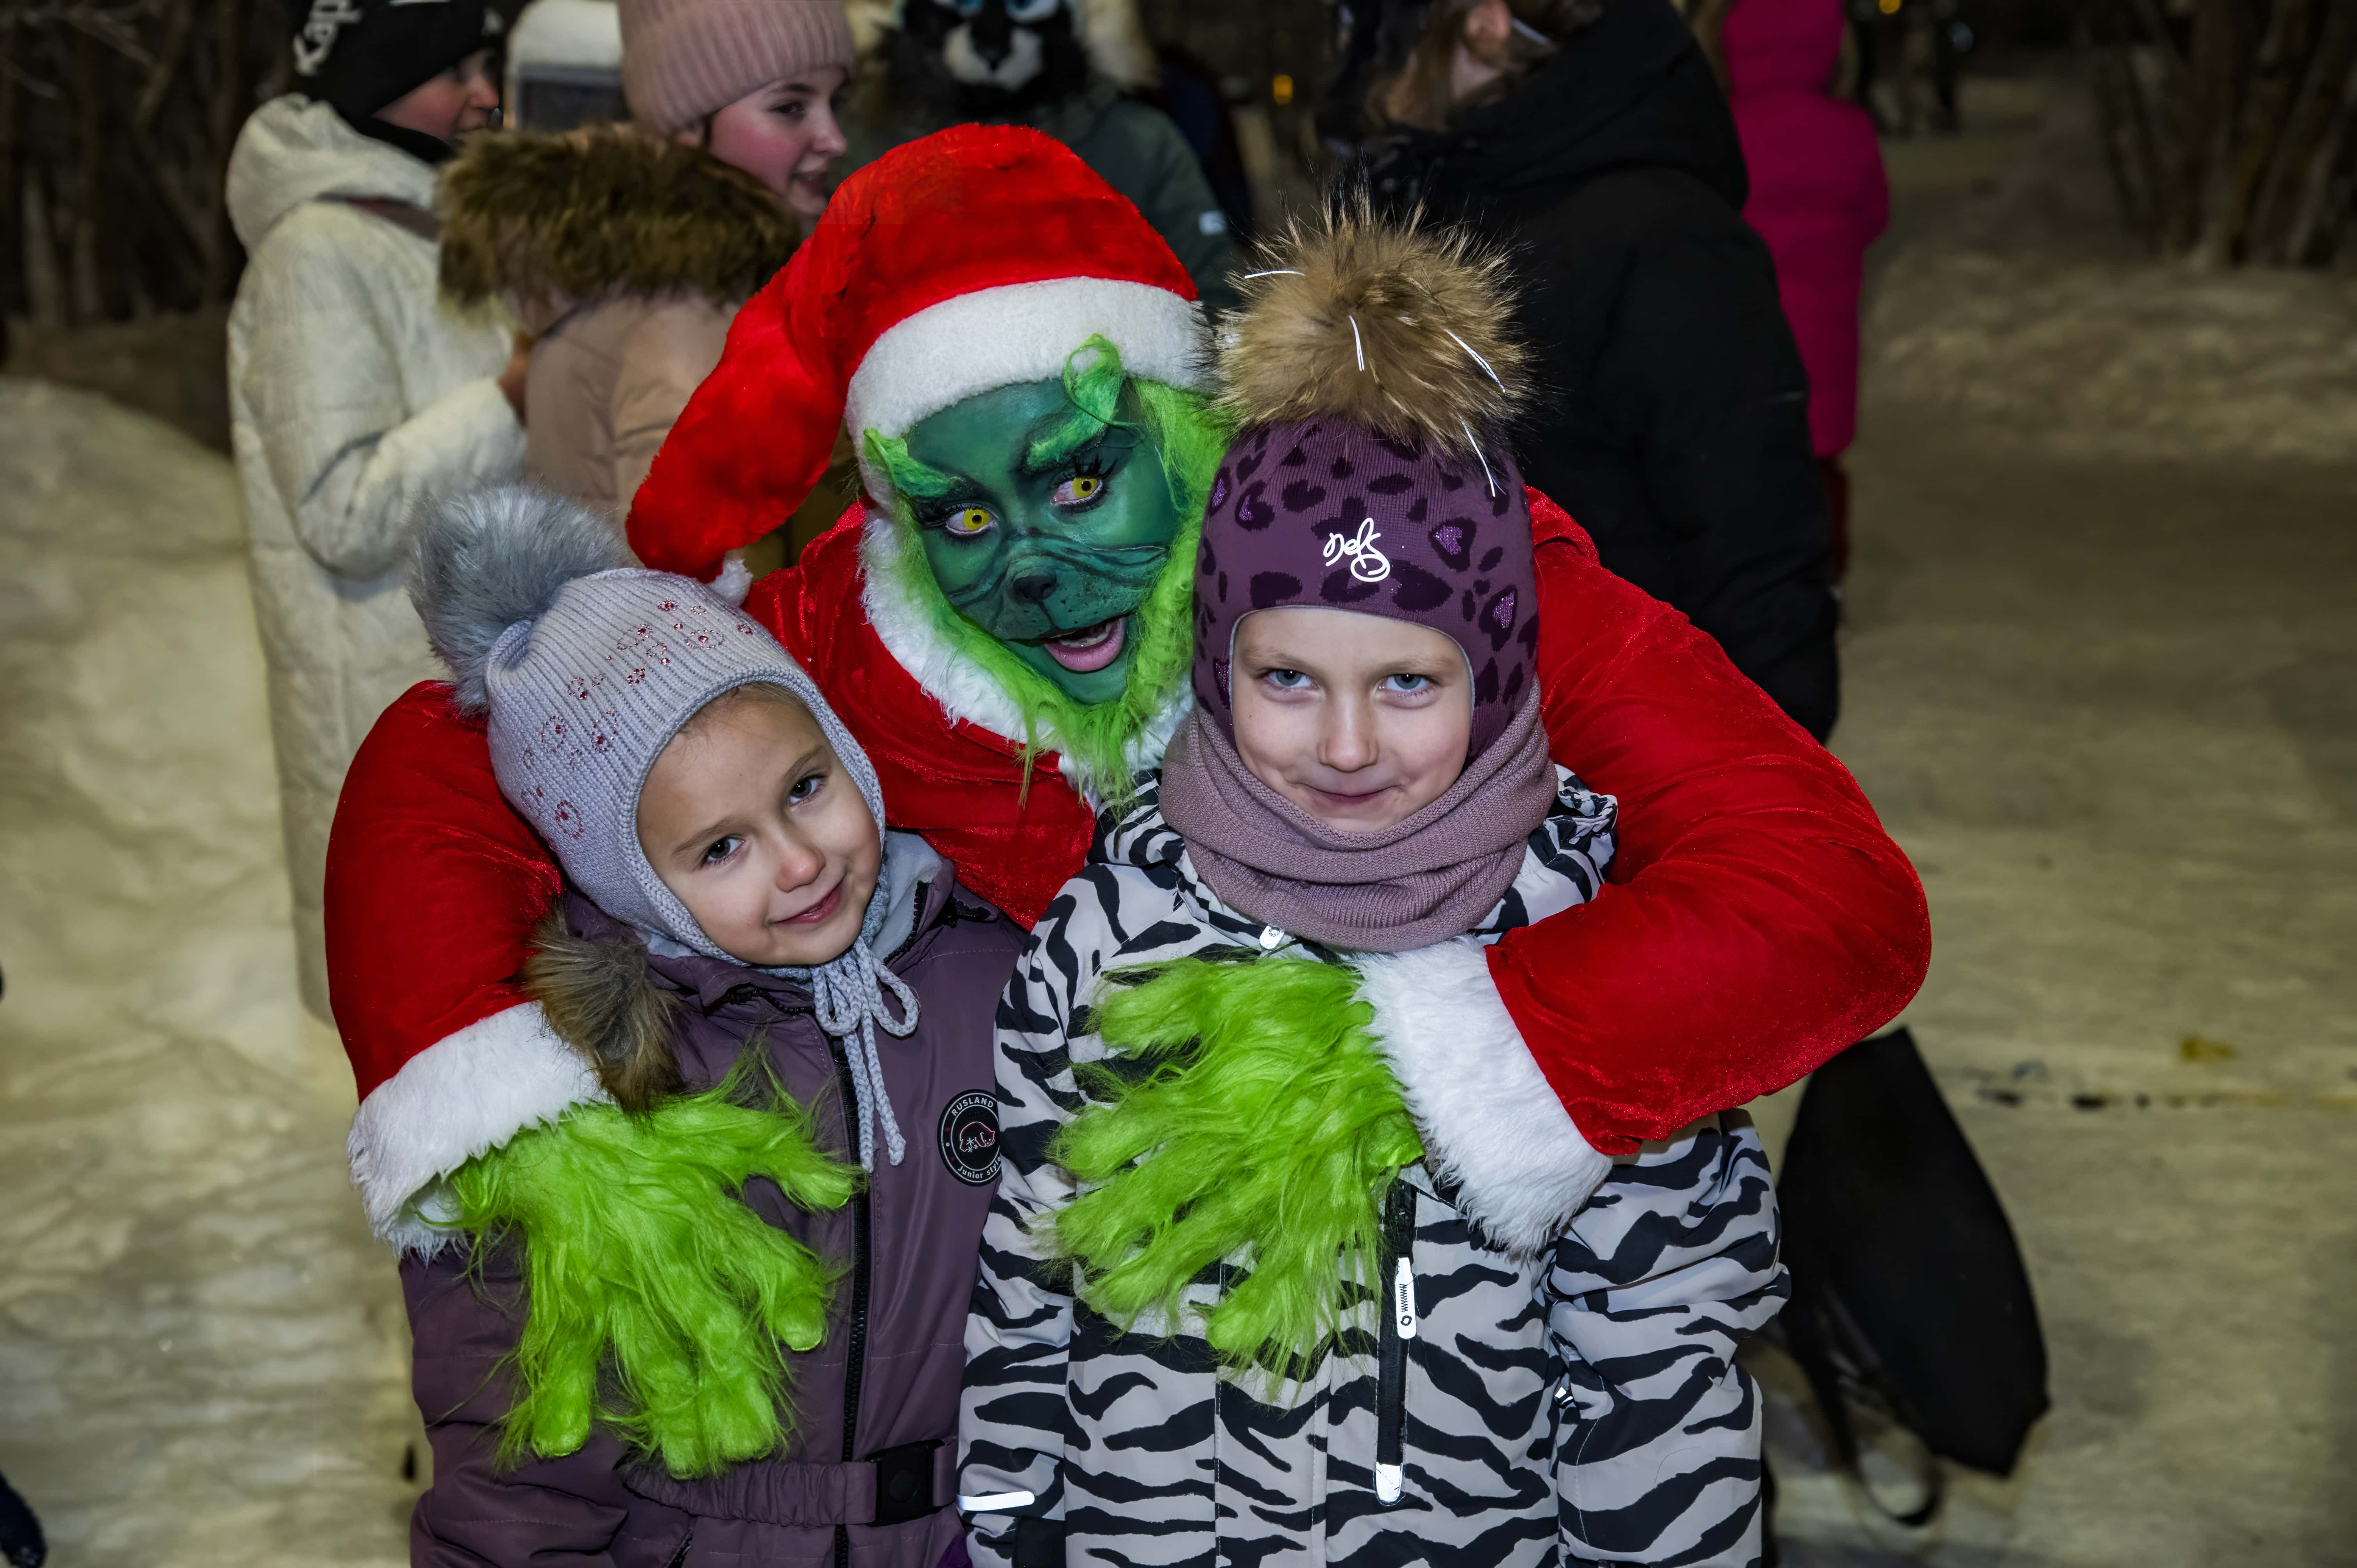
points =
(1759, 919)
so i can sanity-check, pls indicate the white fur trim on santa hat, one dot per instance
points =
(1021, 332)
(465, 1094)
(1492, 1123)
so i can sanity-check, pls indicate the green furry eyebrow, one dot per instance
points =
(910, 475)
(1094, 390)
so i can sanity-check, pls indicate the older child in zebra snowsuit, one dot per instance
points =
(1269, 1280)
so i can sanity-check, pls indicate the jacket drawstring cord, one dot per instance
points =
(848, 996)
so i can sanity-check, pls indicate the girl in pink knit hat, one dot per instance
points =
(751, 81)
(625, 251)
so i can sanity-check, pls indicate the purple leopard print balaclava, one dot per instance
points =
(1327, 514)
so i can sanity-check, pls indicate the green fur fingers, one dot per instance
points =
(645, 1268)
(1246, 1115)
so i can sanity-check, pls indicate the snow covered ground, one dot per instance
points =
(202, 1355)
(2009, 299)
(2100, 681)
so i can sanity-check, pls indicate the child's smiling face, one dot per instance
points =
(753, 824)
(1360, 720)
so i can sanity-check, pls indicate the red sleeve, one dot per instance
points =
(433, 887)
(803, 604)
(1759, 918)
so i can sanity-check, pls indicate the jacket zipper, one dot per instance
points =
(855, 1361)
(1399, 1327)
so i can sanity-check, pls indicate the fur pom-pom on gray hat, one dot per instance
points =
(585, 665)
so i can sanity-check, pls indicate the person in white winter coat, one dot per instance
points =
(354, 390)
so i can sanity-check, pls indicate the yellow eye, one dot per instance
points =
(968, 520)
(1080, 487)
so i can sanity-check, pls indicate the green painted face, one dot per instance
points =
(1048, 529)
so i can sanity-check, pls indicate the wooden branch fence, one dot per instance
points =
(116, 119)
(2229, 123)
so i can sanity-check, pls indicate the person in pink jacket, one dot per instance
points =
(1818, 199)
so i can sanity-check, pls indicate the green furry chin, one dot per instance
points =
(1191, 438)
(1247, 1116)
(647, 1275)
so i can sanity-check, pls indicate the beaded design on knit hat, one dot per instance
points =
(586, 667)
(682, 59)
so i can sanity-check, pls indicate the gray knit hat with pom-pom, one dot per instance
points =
(587, 666)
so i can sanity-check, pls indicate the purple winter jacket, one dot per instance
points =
(875, 1404)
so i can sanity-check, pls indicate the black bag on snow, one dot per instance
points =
(1907, 1288)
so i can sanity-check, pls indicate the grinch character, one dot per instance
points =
(1075, 68)
(1004, 626)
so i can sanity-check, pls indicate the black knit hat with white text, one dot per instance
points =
(357, 56)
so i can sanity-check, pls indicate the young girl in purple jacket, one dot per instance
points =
(714, 1310)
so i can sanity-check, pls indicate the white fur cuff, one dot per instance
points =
(466, 1094)
(1492, 1123)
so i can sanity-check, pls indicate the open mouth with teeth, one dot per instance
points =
(1092, 648)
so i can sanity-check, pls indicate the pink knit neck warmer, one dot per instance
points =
(1425, 878)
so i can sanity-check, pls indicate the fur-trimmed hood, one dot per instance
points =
(545, 220)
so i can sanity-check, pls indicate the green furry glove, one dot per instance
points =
(1246, 1113)
(644, 1266)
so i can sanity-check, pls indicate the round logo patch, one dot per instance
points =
(970, 1138)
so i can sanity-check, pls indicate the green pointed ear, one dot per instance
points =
(1093, 379)
(910, 476)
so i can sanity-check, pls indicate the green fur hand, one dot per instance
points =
(1246, 1115)
(644, 1267)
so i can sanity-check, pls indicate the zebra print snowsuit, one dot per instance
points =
(1552, 1392)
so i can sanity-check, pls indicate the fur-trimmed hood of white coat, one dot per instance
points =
(353, 394)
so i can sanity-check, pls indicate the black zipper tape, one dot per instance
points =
(856, 1353)
(1396, 1290)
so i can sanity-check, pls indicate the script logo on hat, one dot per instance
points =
(1368, 564)
(969, 1138)
(317, 36)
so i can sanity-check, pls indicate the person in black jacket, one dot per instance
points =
(1591, 137)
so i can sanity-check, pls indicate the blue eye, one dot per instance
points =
(1031, 10)
(720, 850)
(1407, 682)
(804, 788)
(1285, 679)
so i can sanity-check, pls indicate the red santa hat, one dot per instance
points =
(979, 257)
